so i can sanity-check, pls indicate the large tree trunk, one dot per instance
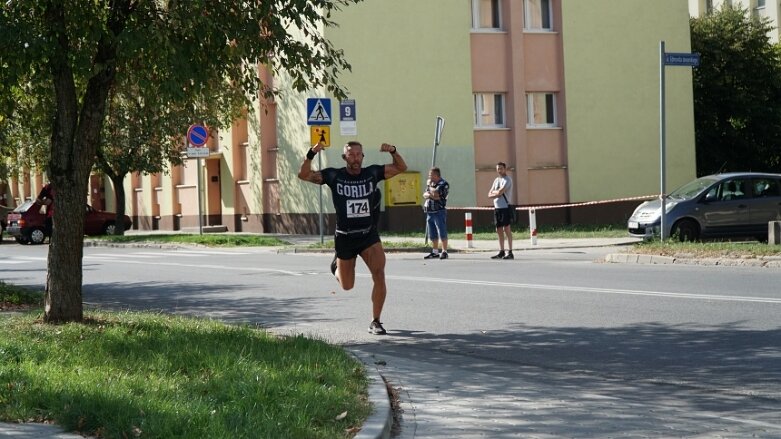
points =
(75, 139)
(63, 302)
(119, 190)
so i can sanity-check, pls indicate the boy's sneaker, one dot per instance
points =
(443, 255)
(509, 255)
(432, 255)
(333, 266)
(375, 327)
(499, 255)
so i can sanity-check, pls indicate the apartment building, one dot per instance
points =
(757, 8)
(566, 92)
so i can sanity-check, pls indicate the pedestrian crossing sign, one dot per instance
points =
(320, 134)
(318, 111)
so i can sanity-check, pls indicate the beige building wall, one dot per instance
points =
(410, 63)
(612, 83)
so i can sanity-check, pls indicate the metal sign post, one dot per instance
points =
(318, 117)
(437, 138)
(667, 59)
(197, 136)
(662, 145)
(200, 203)
(440, 126)
(320, 219)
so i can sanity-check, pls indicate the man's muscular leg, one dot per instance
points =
(374, 257)
(345, 273)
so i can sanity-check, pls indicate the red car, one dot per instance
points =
(27, 223)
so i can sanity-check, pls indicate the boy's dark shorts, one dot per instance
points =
(350, 246)
(503, 217)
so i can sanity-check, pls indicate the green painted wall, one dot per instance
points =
(611, 61)
(410, 63)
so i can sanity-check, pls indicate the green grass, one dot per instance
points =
(211, 240)
(121, 375)
(13, 296)
(707, 249)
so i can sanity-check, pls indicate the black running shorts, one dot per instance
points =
(350, 246)
(503, 217)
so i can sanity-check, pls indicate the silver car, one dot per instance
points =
(736, 204)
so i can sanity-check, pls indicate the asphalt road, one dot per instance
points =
(553, 344)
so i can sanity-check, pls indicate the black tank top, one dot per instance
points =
(353, 196)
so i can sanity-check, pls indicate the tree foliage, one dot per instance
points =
(72, 58)
(737, 93)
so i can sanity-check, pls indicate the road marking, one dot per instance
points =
(23, 259)
(208, 252)
(124, 255)
(119, 258)
(589, 289)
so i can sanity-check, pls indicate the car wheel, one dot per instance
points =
(37, 236)
(686, 230)
(109, 228)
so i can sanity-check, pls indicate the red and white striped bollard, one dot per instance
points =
(468, 225)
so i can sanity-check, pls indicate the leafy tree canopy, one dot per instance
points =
(737, 93)
(63, 61)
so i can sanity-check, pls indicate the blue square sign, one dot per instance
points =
(347, 110)
(318, 111)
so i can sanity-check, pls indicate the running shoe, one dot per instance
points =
(375, 327)
(333, 266)
(443, 255)
(431, 255)
(499, 255)
(509, 255)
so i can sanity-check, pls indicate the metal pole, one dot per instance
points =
(439, 127)
(662, 136)
(200, 205)
(319, 167)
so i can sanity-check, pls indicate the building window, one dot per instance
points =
(537, 14)
(486, 14)
(489, 110)
(759, 8)
(541, 110)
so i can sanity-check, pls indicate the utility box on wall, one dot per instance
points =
(403, 190)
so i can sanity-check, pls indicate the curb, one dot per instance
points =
(634, 258)
(378, 425)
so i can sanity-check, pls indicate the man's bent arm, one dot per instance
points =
(305, 172)
(398, 166)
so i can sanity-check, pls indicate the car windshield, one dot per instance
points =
(24, 207)
(693, 188)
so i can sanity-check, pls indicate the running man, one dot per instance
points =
(355, 193)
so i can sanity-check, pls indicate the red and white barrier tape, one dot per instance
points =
(556, 206)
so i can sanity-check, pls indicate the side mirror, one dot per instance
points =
(710, 196)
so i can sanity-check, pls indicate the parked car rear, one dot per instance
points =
(737, 204)
(27, 223)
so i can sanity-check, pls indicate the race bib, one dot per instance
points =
(358, 208)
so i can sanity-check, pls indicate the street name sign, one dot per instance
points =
(682, 59)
